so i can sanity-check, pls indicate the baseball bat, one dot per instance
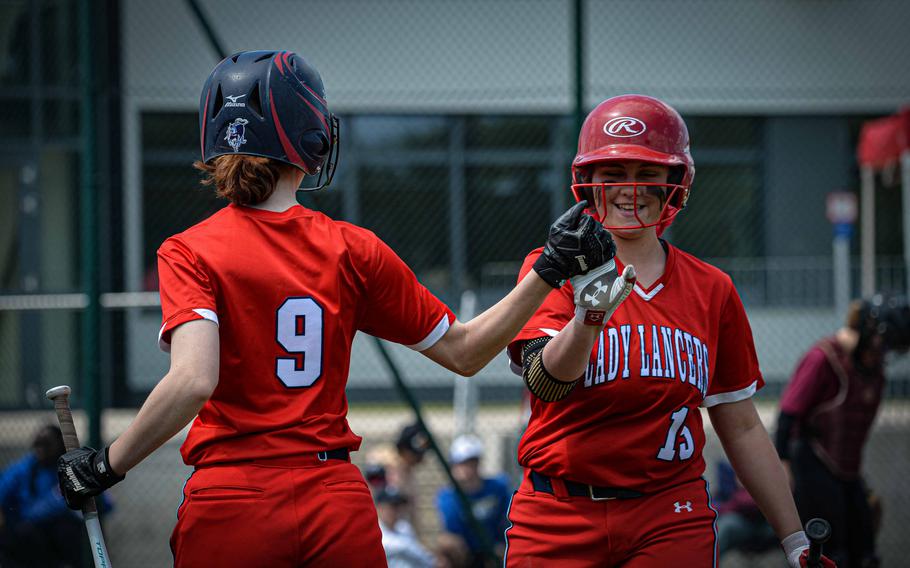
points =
(818, 531)
(60, 397)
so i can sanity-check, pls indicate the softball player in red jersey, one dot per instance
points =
(613, 449)
(261, 302)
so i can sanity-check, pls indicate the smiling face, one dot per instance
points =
(626, 198)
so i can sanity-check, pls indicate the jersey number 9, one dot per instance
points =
(299, 332)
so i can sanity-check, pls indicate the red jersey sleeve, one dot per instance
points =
(736, 374)
(185, 289)
(557, 310)
(397, 307)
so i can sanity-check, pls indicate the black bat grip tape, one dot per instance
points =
(818, 531)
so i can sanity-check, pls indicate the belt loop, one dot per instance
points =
(322, 456)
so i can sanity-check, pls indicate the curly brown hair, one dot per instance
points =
(242, 179)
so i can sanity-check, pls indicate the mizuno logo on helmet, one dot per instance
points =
(232, 101)
(624, 127)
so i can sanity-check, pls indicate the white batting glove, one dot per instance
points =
(599, 292)
(793, 546)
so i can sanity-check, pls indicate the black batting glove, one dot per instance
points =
(84, 473)
(577, 243)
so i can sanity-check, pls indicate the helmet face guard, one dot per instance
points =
(327, 172)
(635, 128)
(671, 196)
(272, 105)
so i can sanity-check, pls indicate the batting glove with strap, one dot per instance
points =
(577, 244)
(84, 473)
(599, 292)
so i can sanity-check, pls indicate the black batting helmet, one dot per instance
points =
(887, 316)
(269, 104)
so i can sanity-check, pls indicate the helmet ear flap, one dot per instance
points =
(585, 194)
(582, 174)
(314, 144)
(677, 175)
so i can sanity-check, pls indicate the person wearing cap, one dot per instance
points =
(489, 497)
(412, 444)
(402, 548)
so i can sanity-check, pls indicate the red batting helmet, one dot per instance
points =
(636, 127)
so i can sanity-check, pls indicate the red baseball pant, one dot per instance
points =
(278, 516)
(674, 527)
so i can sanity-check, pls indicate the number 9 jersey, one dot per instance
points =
(288, 292)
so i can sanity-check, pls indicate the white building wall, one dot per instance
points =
(736, 56)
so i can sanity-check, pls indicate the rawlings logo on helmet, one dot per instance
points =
(624, 127)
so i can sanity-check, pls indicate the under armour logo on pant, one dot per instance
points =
(680, 508)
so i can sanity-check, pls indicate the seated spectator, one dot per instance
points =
(489, 499)
(36, 527)
(374, 474)
(402, 548)
(395, 466)
(740, 524)
(412, 444)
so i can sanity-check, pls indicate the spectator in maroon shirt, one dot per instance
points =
(826, 413)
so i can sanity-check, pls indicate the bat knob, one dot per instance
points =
(818, 530)
(57, 392)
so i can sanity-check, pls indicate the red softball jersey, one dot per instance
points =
(288, 291)
(633, 422)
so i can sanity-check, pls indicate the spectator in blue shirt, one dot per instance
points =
(489, 499)
(36, 527)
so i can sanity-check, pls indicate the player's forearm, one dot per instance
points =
(468, 347)
(489, 333)
(758, 467)
(172, 404)
(567, 354)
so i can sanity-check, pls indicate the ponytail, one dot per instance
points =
(242, 179)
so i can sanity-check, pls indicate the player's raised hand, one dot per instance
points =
(576, 244)
(599, 292)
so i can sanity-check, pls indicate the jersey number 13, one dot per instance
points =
(678, 429)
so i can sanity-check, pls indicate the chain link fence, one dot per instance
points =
(457, 131)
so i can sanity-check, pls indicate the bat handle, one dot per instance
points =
(60, 396)
(818, 531)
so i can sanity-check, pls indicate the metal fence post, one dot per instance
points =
(88, 229)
